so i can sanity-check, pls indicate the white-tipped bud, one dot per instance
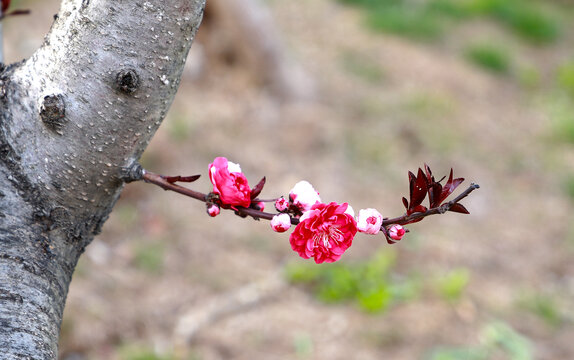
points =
(369, 221)
(304, 195)
(281, 222)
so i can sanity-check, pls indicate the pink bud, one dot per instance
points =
(369, 221)
(281, 204)
(281, 222)
(213, 210)
(396, 232)
(259, 205)
(304, 196)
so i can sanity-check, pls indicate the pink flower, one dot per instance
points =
(369, 221)
(396, 232)
(281, 222)
(281, 204)
(324, 232)
(213, 210)
(229, 183)
(304, 196)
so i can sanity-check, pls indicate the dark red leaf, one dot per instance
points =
(412, 180)
(419, 208)
(419, 191)
(174, 179)
(190, 178)
(428, 172)
(257, 189)
(412, 177)
(405, 202)
(459, 208)
(5, 5)
(435, 191)
(450, 186)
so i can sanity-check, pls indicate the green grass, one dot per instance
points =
(489, 57)
(410, 22)
(369, 284)
(561, 111)
(451, 286)
(565, 77)
(544, 306)
(498, 340)
(532, 20)
(529, 19)
(149, 257)
(362, 67)
(133, 352)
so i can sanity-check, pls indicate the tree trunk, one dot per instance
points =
(74, 118)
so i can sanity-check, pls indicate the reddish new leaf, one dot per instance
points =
(419, 189)
(5, 5)
(459, 208)
(428, 172)
(257, 189)
(450, 186)
(174, 179)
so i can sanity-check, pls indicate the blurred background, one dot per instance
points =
(349, 95)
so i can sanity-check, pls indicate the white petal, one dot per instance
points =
(233, 167)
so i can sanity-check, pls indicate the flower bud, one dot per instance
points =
(304, 196)
(260, 205)
(369, 221)
(281, 204)
(396, 232)
(213, 210)
(281, 222)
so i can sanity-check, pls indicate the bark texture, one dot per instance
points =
(73, 118)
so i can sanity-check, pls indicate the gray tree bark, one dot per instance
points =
(73, 118)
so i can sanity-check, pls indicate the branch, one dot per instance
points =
(164, 183)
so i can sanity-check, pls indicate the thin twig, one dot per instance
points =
(162, 182)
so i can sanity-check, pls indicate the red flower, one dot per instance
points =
(229, 183)
(324, 232)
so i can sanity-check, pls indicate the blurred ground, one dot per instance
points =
(384, 104)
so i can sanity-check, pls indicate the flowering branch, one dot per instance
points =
(323, 231)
